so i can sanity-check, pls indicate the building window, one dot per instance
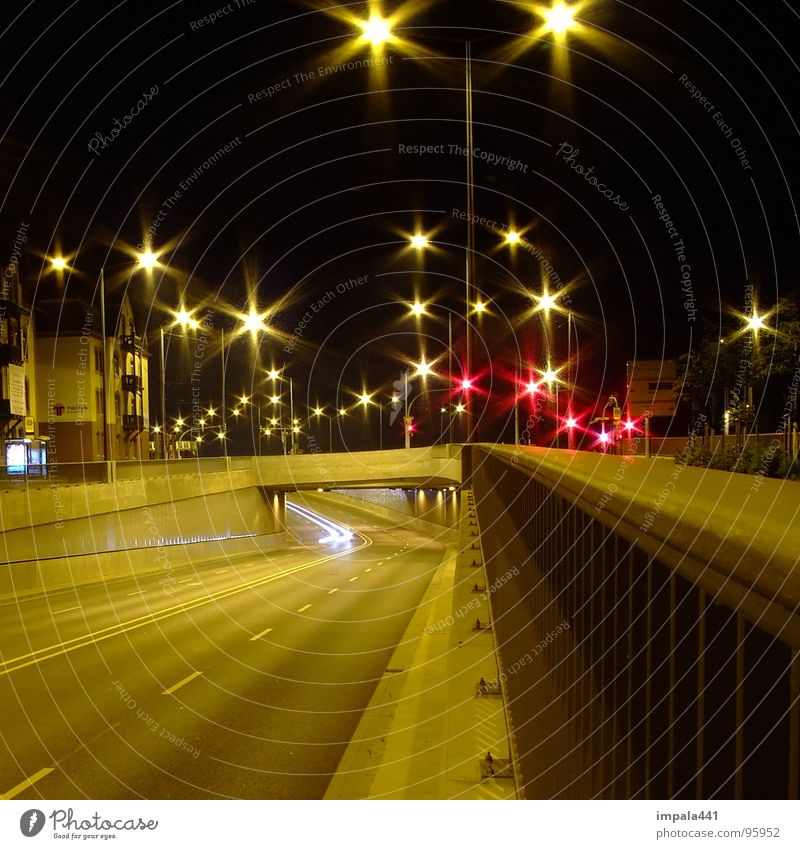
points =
(116, 404)
(98, 359)
(116, 364)
(98, 403)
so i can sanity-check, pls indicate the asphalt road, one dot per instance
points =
(247, 682)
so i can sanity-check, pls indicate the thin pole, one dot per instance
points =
(330, 434)
(516, 405)
(450, 374)
(380, 426)
(223, 413)
(105, 362)
(406, 419)
(258, 425)
(470, 232)
(163, 393)
(291, 412)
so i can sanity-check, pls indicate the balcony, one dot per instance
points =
(10, 354)
(131, 343)
(132, 382)
(132, 423)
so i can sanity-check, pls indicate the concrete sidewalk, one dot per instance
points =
(428, 727)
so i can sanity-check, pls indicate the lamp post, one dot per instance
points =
(319, 412)
(147, 260)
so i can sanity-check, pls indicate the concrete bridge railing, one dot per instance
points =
(652, 639)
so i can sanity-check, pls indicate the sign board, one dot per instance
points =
(651, 387)
(16, 390)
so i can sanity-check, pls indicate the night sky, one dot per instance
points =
(649, 161)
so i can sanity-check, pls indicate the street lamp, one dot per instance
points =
(147, 260)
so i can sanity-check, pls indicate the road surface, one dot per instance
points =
(247, 681)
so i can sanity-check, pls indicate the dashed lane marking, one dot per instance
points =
(28, 782)
(304, 607)
(180, 684)
(262, 634)
(65, 646)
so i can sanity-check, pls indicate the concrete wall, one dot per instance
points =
(436, 466)
(439, 506)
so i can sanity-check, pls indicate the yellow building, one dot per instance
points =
(86, 417)
(18, 413)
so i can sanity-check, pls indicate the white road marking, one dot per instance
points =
(66, 610)
(334, 590)
(304, 607)
(354, 578)
(262, 634)
(28, 782)
(180, 683)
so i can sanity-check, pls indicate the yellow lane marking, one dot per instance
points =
(138, 592)
(180, 683)
(66, 610)
(304, 607)
(334, 590)
(28, 782)
(15, 663)
(185, 580)
(368, 570)
(262, 634)
(354, 578)
(220, 571)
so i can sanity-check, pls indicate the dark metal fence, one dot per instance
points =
(629, 676)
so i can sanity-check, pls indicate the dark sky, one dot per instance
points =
(694, 103)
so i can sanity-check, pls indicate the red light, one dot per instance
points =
(532, 387)
(571, 422)
(604, 437)
(630, 425)
(466, 384)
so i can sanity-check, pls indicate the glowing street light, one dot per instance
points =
(559, 18)
(423, 369)
(365, 399)
(549, 376)
(418, 308)
(479, 307)
(512, 237)
(419, 241)
(147, 260)
(546, 302)
(184, 318)
(58, 263)
(376, 30)
(755, 323)
(273, 374)
(275, 399)
(254, 322)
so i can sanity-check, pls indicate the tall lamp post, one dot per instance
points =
(147, 260)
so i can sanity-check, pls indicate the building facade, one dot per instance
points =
(86, 416)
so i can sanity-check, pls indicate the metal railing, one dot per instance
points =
(657, 664)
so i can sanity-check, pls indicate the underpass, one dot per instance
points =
(247, 682)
